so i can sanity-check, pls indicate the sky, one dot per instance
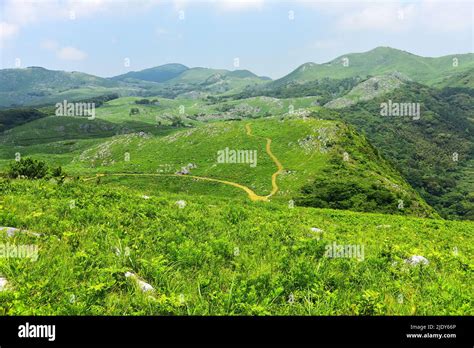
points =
(268, 37)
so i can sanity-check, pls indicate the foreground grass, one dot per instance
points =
(222, 257)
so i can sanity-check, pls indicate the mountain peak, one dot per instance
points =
(159, 73)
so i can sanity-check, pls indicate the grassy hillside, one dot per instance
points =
(307, 150)
(422, 150)
(369, 89)
(39, 86)
(380, 61)
(160, 73)
(215, 257)
(197, 82)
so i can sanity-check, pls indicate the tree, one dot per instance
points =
(134, 111)
(177, 121)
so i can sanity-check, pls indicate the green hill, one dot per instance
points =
(380, 61)
(310, 152)
(369, 89)
(422, 148)
(39, 86)
(204, 81)
(160, 73)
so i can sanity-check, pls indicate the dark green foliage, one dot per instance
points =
(422, 150)
(134, 111)
(100, 100)
(34, 169)
(29, 168)
(58, 172)
(350, 189)
(143, 102)
(177, 121)
(326, 88)
(14, 117)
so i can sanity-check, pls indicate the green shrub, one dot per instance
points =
(29, 168)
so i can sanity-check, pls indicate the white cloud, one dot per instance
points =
(21, 13)
(50, 45)
(394, 16)
(385, 17)
(238, 5)
(7, 30)
(65, 52)
(91, 7)
(222, 5)
(71, 53)
(447, 16)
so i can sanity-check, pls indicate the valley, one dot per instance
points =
(199, 191)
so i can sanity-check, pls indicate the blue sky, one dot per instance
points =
(270, 38)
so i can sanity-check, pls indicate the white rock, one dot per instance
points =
(3, 284)
(181, 204)
(416, 260)
(315, 229)
(144, 286)
(12, 230)
(145, 197)
(130, 274)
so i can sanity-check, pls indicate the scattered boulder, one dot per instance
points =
(417, 260)
(316, 232)
(181, 204)
(187, 169)
(144, 286)
(11, 231)
(183, 171)
(3, 284)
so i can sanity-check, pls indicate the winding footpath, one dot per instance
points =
(252, 195)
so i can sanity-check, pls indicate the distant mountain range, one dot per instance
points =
(36, 85)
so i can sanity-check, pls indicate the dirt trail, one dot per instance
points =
(252, 195)
(272, 156)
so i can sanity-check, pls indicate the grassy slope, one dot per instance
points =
(422, 150)
(189, 256)
(34, 85)
(380, 61)
(114, 116)
(160, 73)
(367, 90)
(84, 146)
(294, 141)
